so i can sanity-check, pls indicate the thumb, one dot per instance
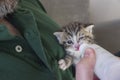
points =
(89, 52)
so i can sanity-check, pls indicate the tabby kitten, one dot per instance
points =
(72, 36)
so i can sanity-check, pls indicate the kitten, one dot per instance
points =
(72, 36)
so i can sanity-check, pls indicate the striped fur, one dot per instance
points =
(78, 31)
(71, 36)
(7, 6)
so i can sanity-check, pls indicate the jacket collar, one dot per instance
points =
(28, 28)
(25, 22)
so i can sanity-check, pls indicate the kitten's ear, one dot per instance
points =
(58, 35)
(89, 28)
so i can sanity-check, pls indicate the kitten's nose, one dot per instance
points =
(76, 46)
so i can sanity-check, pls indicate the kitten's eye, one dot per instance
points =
(69, 42)
(81, 38)
(64, 42)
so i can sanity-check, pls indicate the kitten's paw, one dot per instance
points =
(62, 64)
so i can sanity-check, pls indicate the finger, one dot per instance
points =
(89, 52)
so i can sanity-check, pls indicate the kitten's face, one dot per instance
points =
(73, 35)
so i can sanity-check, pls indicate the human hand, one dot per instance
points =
(85, 67)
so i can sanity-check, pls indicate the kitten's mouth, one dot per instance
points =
(77, 48)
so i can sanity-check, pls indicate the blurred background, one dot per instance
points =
(65, 11)
(104, 10)
(96, 11)
(105, 14)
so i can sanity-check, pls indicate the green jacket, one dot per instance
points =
(33, 56)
